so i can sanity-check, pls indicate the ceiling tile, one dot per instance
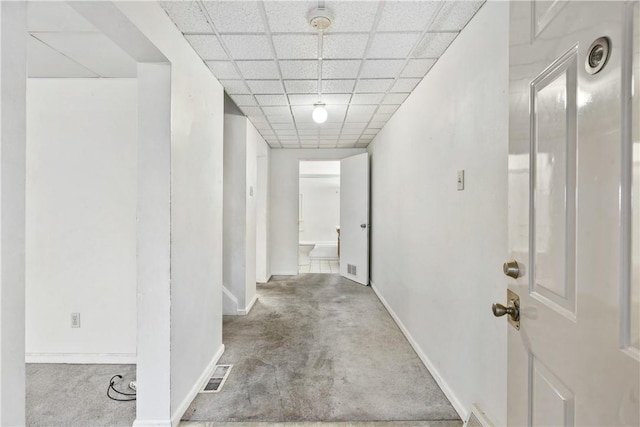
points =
(336, 113)
(302, 112)
(235, 16)
(47, 62)
(223, 70)
(355, 125)
(381, 68)
(348, 140)
(259, 69)
(287, 132)
(387, 109)
(351, 16)
(276, 111)
(340, 69)
(344, 46)
(272, 100)
(207, 46)
(265, 86)
(304, 69)
(248, 46)
(234, 86)
(369, 132)
(303, 99)
(377, 124)
(243, 100)
(336, 99)
(308, 133)
(367, 98)
(298, 46)
(380, 117)
(94, 51)
(288, 125)
(433, 45)
(348, 131)
(289, 16)
(392, 45)
(362, 145)
(360, 113)
(417, 67)
(301, 86)
(251, 111)
(454, 15)
(407, 15)
(405, 85)
(187, 16)
(395, 98)
(373, 85)
(337, 86)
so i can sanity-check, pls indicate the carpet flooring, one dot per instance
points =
(318, 347)
(75, 395)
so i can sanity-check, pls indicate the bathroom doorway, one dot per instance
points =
(319, 217)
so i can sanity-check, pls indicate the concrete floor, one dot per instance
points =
(317, 347)
(75, 395)
(329, 424)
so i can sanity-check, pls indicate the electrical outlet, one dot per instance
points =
(460, 180)
(75, 320)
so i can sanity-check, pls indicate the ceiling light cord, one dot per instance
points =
(320, 19)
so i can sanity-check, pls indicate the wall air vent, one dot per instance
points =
(351, 269)
(218, 379)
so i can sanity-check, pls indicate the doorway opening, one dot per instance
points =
(319, 217)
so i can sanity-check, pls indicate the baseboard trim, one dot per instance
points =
(264, 280)
(204, 377)
(448, 392)
(152, 423)
(249, 306)
(83, 358)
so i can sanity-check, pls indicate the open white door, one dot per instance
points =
(574, 357)
(354, 218)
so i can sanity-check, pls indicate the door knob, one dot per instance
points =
(511, 269)
(500, 310)
(512, 309)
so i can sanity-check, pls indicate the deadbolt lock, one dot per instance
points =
(511, 269)
(512, 309)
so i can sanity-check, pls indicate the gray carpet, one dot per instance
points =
(317, 347)
(75, 395)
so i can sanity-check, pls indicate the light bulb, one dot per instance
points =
(319, 114)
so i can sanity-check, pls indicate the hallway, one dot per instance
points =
(317, 347)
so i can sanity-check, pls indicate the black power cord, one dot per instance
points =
(130, 397)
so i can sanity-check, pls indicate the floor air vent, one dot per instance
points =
(351, 269)
(218, 379)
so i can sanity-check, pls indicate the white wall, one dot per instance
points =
(81, 220)
(13, 78)
(263, 262)
(241, 142)
(437, 252)
(320, 209)
(196, 205)
(235, 211)
(284, 190)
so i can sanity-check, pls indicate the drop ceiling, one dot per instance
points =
(266, 56)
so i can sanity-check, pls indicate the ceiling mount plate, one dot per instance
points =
(320, 18)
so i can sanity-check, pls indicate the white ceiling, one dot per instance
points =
(265, 54)
(63, 44)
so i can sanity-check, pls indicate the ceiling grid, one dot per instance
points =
(275, 66)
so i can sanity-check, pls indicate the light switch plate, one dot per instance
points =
(460, 180)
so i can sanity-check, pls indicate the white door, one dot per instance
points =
(354, 218)
(574, 360)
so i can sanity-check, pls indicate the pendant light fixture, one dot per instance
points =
(320, 19)
(319, 113)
